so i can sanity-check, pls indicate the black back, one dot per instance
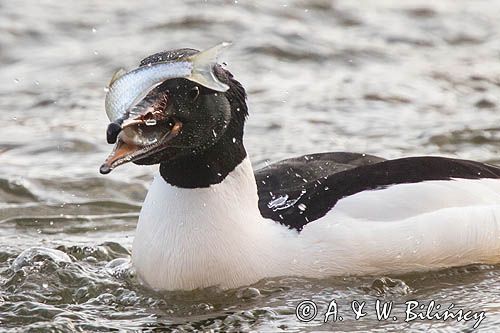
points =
(297, 191)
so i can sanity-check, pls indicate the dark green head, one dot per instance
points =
(194, 133)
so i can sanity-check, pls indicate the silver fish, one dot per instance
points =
(127, 88)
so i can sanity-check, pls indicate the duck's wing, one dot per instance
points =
(297, 191)
(280, 184)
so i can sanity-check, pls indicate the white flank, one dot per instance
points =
(195, 238)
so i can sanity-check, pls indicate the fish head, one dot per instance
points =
(177, 118)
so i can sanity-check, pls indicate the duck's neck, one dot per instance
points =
(209, 166)
(198, 237)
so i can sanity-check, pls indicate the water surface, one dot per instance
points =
(391, 78)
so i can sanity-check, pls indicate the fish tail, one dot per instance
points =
(203, 67)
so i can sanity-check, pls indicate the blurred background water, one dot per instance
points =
(391, 78)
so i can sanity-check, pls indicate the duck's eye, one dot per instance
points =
(194, 93)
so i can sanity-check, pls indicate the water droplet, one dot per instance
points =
(150, 122)
(16, 81)
(302, 207)
(234, 140)
(95, 52)
(278, 202)
(36, 82)
(94, 30)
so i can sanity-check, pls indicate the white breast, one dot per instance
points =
(194, 238)
(190, 238)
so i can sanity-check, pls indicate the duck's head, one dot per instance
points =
(194, 133)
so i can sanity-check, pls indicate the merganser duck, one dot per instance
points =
(209, 219)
